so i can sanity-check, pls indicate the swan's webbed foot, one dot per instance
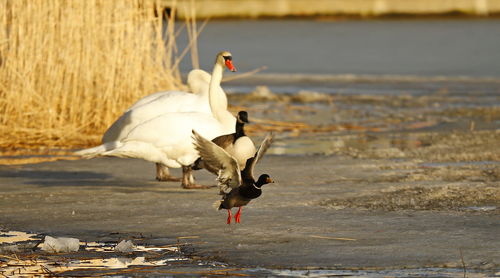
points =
(163, 174)
(168, 178)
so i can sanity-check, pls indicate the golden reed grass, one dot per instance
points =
(68, 69)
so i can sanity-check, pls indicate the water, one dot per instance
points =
(427, 47)
(363, 84)
(376, 57)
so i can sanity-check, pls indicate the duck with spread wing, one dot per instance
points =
(237, 187)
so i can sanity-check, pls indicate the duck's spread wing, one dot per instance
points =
(247, 173)
(224, 141)
(229, 172)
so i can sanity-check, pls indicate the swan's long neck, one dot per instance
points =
(217, 99)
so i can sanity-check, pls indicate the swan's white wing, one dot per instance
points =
(266, 143)
(166, 102)
(147, 99)
(229, 172)
(154, 105)
(167, 139)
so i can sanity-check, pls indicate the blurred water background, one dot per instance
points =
(456, 47)
(358, 56)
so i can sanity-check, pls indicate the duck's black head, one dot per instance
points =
(263, 179)
(243, 117)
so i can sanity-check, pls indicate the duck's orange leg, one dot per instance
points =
(229, 216)
(237, 217)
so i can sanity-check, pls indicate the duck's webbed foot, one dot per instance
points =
(163, 174)
(229, 216)
(188, 179)
(237, 216)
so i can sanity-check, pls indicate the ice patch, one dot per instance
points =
(125, 246)
(481, 208)
(31, 264)
(60, 244)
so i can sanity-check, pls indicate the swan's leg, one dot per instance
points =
(163, 174)
(188, 180)
(237, 217)
(229, 216)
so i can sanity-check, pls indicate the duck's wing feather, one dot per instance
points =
(229, 172)
(224, 141)
(247, 173)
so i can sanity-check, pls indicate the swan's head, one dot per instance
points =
(225, 58)
(242, 117)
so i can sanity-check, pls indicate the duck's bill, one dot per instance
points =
(229, 65)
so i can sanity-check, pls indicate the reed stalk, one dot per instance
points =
(68, 69)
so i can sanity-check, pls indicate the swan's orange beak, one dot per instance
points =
(229, 65)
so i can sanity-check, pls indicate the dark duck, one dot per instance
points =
(237, 187)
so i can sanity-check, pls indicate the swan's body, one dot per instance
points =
(172, 149)
(173, 101)
(237, 187)
(165, 137)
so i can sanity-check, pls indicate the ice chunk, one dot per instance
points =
(311, 96)
(60, 244)
(262, 93)
(125, 246)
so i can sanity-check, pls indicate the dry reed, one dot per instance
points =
(68, 69)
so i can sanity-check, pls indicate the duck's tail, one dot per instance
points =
(217, 205)
(97, 151)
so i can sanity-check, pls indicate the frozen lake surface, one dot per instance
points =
(436, 47)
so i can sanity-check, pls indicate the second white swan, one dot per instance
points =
(208, 97)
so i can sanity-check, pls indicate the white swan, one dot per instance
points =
(159, 103)
(166, 139)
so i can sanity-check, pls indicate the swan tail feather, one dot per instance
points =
(96, 151)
